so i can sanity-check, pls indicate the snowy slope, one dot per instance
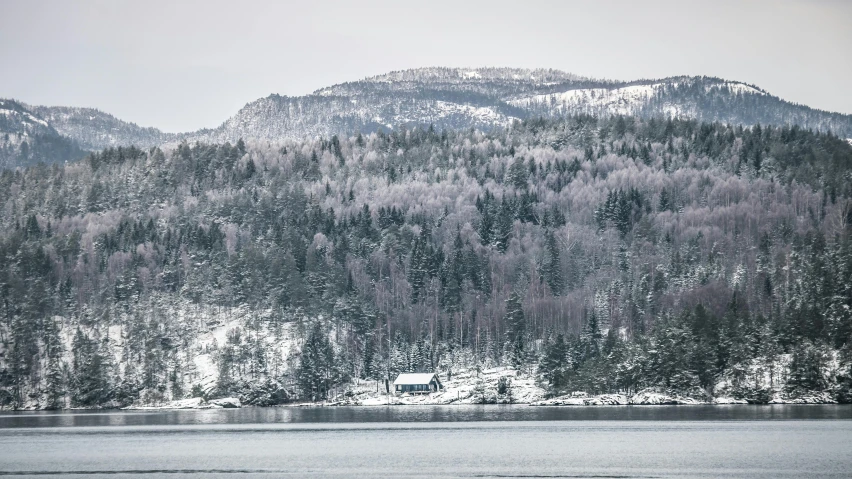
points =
(27, 138)
(96, 130)
(676, 97)
(486, 98)
(481, 98)
(628, 100)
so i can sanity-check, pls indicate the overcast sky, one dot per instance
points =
(180, 66)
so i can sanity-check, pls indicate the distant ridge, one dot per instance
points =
(481, 98)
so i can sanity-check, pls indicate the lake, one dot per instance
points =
(433, 442)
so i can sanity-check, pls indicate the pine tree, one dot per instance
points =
(417, 268)
(806, 368)
(504, 226)
(368, 369)
(553, 266)
(516, 329)
(316, 372)
(553, 364)
(592, 337)
(55, 380)
(665, 201)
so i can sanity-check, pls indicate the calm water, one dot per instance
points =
(449, 441)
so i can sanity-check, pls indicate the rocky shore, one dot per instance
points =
(191, 403)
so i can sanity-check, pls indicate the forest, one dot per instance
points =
(595, 254)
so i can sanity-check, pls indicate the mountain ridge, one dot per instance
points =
(451, 98)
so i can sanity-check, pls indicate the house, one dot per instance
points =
(417, 383)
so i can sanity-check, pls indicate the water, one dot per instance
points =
(433, 442)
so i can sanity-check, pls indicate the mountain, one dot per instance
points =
(96, 130)
(457, 98)
(485, 98)
(444, 97)
(595, 255)
(27, 138)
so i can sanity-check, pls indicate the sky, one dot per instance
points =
(184, 65)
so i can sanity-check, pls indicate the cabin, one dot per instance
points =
(417, 383)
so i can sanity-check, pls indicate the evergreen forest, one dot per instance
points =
(594, 254)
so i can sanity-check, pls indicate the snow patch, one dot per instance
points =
(622, 101)
(227, 403)
(619, 101)
(813, 398)
(734, 87)
(648, 397)
(191, 403)
(464, 387)
(654, 398)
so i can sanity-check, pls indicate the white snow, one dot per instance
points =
(618, 101)
(443, 109)
(206, 372)
(735, 87)
(651, 398)
(36, 120)
(816, 398)
(648, 397)
(191, 403)
(465, 387)
(27, 117)
(413, 378)
(227, 403)
(622, 101)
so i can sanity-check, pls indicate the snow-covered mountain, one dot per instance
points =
(454, 98)
(27, 138)
(96, 130)
(488, 97)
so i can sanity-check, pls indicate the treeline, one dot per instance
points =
(600, 254)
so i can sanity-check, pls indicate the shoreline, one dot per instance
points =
(593, 402)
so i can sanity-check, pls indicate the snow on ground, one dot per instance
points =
(469, 386)
(622, 101)
(646, 397)
(444, 109)
(815, 398)
(192, 403)
(221, 323)
(27, 118)
(584, 400)
(735, 87)
(465, 387)
(619, 101)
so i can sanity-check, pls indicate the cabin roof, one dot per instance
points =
(414, 378)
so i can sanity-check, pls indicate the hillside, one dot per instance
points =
(595, 255)
(96, 130)
(484, 98)
(451, 98)
(27, 138)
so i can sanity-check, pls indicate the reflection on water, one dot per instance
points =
(433, 442)
(465, 413)
(601, 448)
